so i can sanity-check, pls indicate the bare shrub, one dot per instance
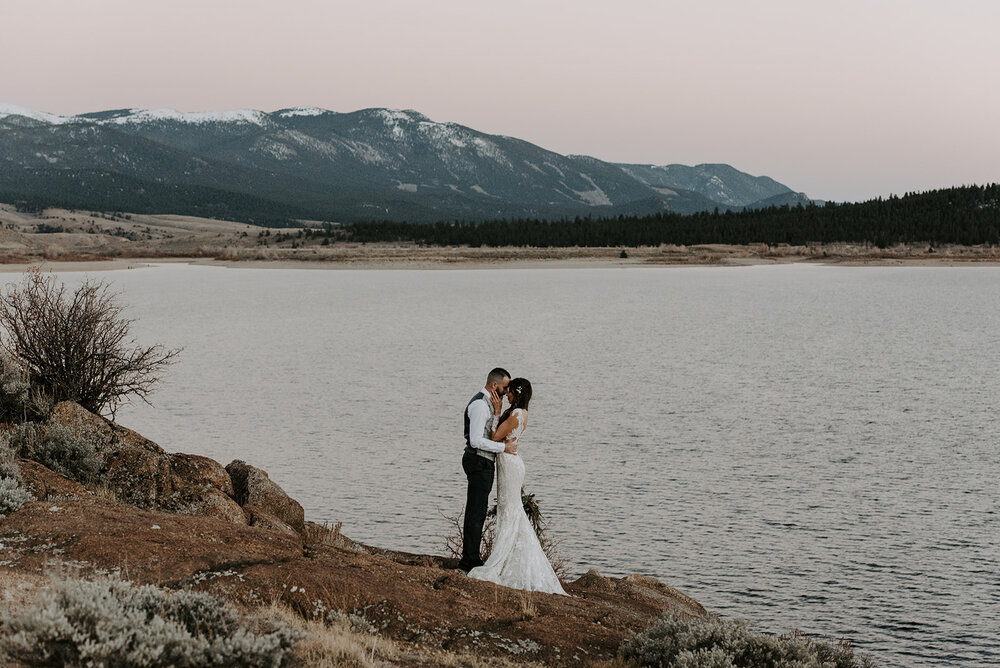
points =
(112, 623)
(455, 537)
(78, 346)
(701, 643)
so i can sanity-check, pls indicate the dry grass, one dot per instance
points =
(18, 590)
(338, 644)
(104, 492)
(335, 644)
(527, 606)
(451, 660)
(316, 535)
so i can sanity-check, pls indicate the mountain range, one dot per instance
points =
(309, 163)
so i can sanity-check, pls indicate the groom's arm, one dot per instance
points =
(479, 413)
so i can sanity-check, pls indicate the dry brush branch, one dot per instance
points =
(78, 346)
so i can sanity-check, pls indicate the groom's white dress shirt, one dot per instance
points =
(481, 425)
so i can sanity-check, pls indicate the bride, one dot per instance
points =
(517, 559)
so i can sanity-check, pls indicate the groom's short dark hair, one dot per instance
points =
(497, 375)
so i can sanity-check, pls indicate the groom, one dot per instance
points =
(478, 461)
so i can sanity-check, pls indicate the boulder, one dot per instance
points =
(263, 498)
(201, 486)
(45, 483)
(644, 588)
(135, 469)
(199, 472)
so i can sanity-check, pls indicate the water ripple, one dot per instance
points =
(806, 447)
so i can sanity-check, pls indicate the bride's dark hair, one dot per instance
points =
(520, 391)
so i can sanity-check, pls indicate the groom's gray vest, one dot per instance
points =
(486, 427)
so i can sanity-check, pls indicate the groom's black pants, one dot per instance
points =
(479, 471)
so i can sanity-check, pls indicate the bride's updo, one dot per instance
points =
(520, 397)
(520, 391)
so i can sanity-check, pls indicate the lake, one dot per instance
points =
(807, 447)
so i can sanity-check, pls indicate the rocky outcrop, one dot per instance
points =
(184, 521)
(263, 500)
(420, 602)
(139, 472)
(136, 470)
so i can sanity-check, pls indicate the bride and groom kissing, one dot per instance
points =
(491, 442)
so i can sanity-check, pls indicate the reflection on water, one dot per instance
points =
(807, 447)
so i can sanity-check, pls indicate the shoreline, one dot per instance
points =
(186, 523)
(412, 257)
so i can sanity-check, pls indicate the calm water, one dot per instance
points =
(807, 447)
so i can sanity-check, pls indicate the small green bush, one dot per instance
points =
(59, 448)
(13, 495)
(114, 624)
(713, 643)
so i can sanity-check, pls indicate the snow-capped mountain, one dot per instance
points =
(310, 162)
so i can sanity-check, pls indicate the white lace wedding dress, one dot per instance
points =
(517, 559)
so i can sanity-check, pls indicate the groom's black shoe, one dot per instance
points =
(465, 566)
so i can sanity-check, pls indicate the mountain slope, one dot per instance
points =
(364, 165)
(720, 183)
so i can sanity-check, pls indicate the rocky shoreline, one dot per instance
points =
(181, 521)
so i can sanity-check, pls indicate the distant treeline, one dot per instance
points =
(33, 190)
(966, 215)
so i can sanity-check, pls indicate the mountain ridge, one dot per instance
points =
(369, 164)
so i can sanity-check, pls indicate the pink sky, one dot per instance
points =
(845, 100)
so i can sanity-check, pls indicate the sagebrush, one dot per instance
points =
(111, 623)
(715, 643)
(59, 448)
(13, 495)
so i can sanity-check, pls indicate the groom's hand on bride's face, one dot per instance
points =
(496, 400)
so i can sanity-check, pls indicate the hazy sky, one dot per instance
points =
(842, 100)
